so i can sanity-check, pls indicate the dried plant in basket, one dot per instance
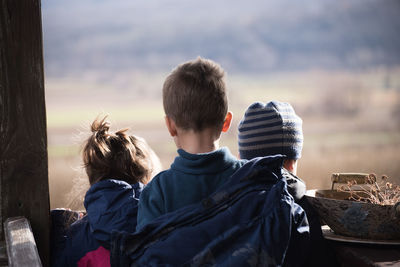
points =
(382, 192)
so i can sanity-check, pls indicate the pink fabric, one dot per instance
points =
(97, 258)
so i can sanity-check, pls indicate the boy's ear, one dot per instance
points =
(290, 165)
(227, 122)
(171, 126)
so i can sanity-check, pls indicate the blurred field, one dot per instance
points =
(351, 120)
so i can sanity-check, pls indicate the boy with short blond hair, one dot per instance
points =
(196, 112)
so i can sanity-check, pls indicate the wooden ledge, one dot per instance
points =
(21, 246)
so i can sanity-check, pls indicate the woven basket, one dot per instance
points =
(356, 219)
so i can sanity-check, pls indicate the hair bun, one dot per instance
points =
(100, 127)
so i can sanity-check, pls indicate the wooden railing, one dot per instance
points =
(20, 244)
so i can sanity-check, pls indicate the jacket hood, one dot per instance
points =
(112, 205)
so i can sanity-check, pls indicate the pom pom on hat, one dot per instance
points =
(270, 129)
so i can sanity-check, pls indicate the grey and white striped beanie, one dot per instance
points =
(270, 129)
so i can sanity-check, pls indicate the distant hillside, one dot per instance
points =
(244, 36)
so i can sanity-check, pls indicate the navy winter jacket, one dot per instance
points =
(110, 205)
(251, 220)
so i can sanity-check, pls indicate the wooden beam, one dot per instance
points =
(3, 254)
(21, 246)
(24, 187)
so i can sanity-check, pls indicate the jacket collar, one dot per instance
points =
(204, 163)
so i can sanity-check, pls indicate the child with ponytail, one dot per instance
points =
(117, 165)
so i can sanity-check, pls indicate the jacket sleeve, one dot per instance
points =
(76, 245)
(151, 204)
(60, 223)
(63, 258)
(299, 244)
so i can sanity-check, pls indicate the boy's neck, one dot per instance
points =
(197, 142)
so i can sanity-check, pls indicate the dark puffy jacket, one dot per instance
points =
(251, 220)
(110, 205)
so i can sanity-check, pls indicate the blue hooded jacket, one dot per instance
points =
(251, 220)
(110, 205)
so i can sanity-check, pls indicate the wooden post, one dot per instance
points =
(24, 189)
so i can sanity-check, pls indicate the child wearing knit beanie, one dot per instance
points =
(274, 128)
(270, 129)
